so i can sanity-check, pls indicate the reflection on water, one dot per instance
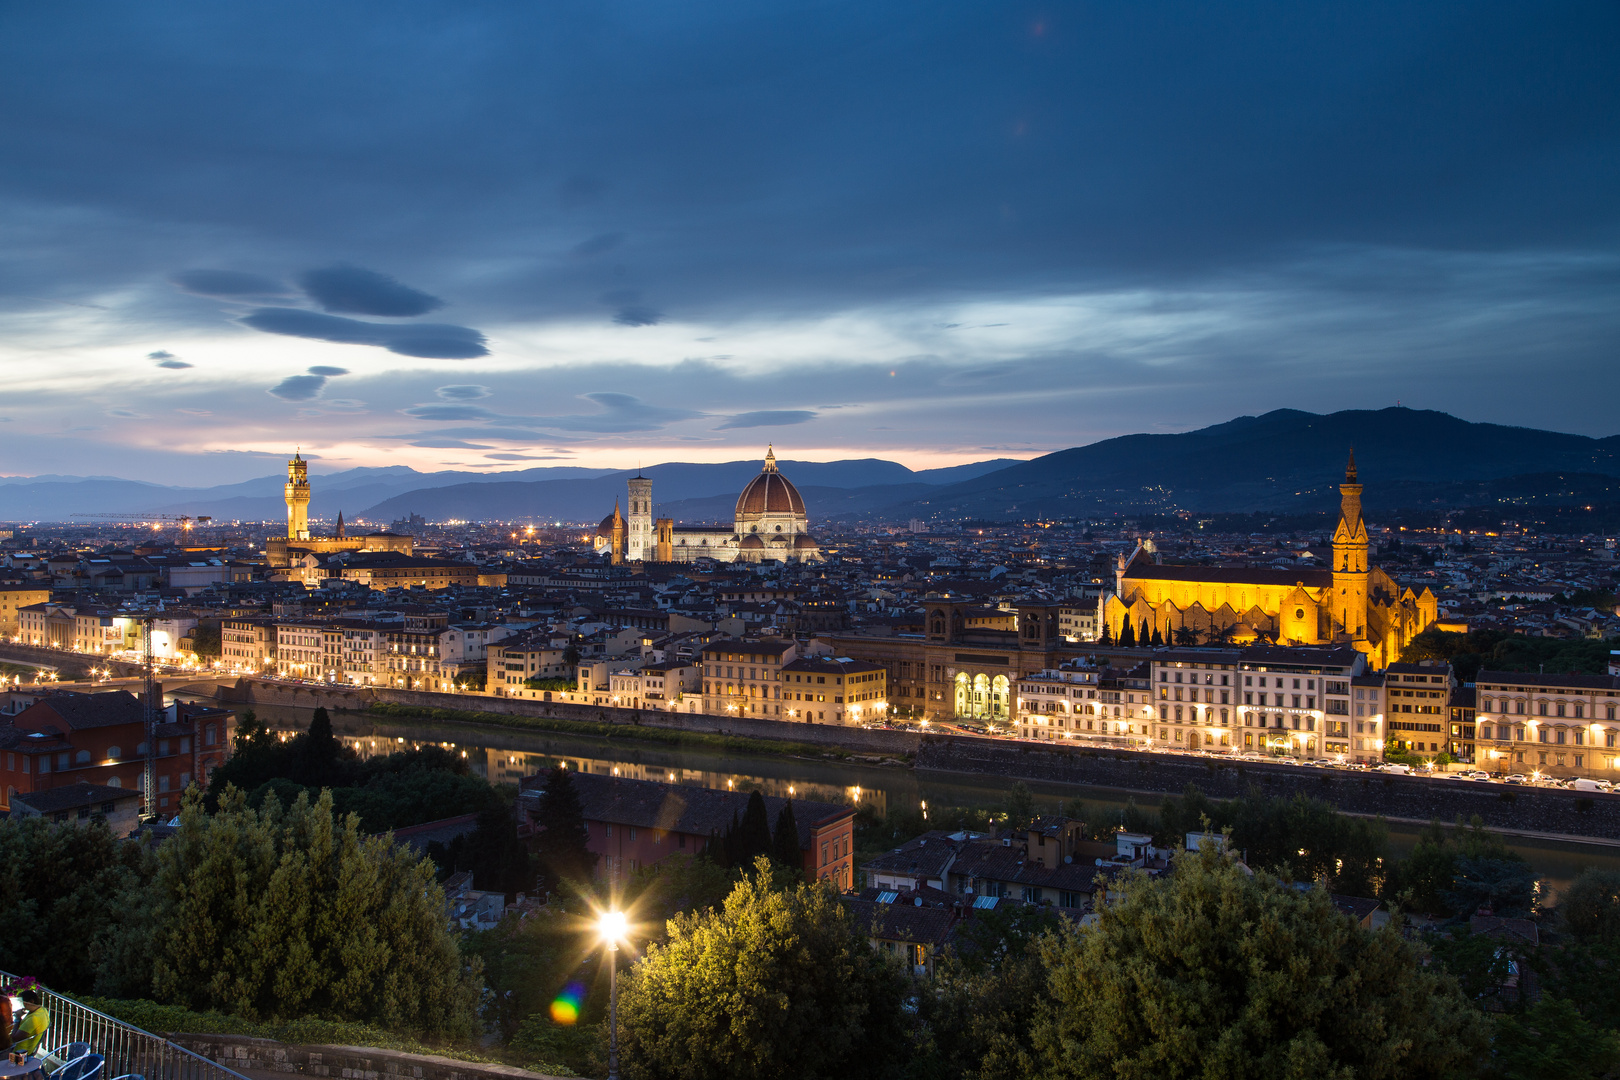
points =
(508, 765)
(506, 755)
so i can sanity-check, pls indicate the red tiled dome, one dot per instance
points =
(806, 542)
(751, 542)
(770, 493)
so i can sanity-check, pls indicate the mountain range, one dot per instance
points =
(1286, 461)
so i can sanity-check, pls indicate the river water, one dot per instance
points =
(506, 755)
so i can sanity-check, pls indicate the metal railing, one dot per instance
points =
(127, 1048)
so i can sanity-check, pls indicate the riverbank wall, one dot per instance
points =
(1501, 806)
(882, 741)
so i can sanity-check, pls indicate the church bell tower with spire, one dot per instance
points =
(1350, 544)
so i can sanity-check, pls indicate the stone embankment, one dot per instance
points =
(1547, 811)
(309, 696)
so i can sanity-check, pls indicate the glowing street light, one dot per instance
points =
(611, 927)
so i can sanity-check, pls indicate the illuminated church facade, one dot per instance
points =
(1351, 602)
(770, 525)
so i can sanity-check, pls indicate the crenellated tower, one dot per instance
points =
(297, 492)
(1350, 551)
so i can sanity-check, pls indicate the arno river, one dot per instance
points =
(504, 755)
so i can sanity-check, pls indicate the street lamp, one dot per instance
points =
(611, 927)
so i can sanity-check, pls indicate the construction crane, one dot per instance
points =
(185, 520)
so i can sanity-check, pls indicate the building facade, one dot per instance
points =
(770, 525)
(1350, 602)
(1557, 725)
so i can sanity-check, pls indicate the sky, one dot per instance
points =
(498, 236)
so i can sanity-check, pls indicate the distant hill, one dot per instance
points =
(675, 484)
(1285, 460)
(569, 493)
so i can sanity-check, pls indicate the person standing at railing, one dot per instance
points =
(31, 1028)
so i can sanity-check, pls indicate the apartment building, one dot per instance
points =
(744, 678)
(1058, 703)
(1557, 725)
(833, 690)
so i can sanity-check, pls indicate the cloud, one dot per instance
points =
(767, 418)
(126, 414)
(228, 284)
(452, 412)
(597, 245)
(463, 392)
(435, 341)
(450, 444)
(357, 291)
(325, 369)
(620, 413)
(499, 434)
(167, 359)
(638, 315)
(299, 387)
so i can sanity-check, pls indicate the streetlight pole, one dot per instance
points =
(611, 925)
(613, 1010)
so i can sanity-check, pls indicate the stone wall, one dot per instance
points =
(300, 696)
(1531, 809)
(241, 1053)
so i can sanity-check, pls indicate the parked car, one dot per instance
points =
(1584, 784)
(1399, 770)
(1516, 778)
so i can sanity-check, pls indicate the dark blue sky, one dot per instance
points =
(501, 235)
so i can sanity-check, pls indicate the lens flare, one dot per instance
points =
(565, 1009)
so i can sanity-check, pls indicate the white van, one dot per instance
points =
(1399, 770)
(1583, 784)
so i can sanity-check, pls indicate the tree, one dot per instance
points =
(497, 857)
(1551, 1038)
(1107, 637)
(1300, 838)
(279, 914)
(1127, 636)
(986, 990)
(785, 840)
(1590, 907)
(1019, 806)
(1453, 871)
(562, 841)
(1158, 640)
(323, 756)
(1186, 636)
(777, 984)
(1144, 637)
(750, 837)
(62, 887)
(1212, 972)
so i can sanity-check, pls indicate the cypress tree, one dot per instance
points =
(1127, 636)
(785, 842)
(1107, 635)
(1158, 640)
(754, 836)
(728, 842)
(1144, 638)
(562, 846)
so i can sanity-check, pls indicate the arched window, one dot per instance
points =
(115, 752)
(113, 781)
(82, 758)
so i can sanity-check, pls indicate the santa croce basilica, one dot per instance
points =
(770, 525)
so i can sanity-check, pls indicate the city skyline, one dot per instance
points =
(621, 235)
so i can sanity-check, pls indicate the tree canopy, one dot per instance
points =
(1214, 973)
(775, 985)
(283, 913)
